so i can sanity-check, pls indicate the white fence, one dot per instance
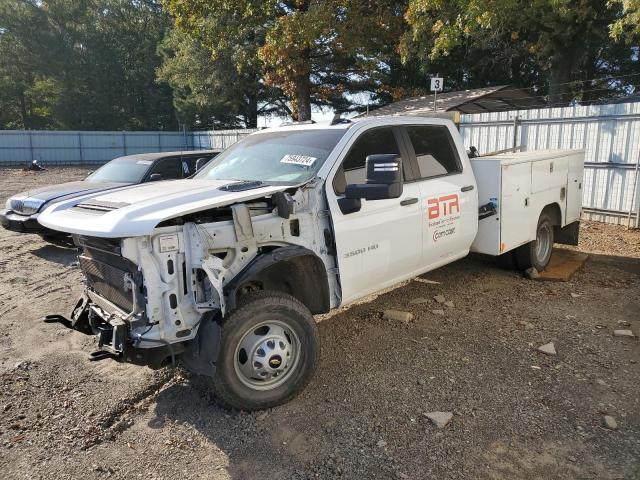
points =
(218, 139)
(610, 135)
(18, 147)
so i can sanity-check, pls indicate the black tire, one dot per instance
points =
(253, 310)
(530, 255)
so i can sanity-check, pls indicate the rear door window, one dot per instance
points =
(435, 152)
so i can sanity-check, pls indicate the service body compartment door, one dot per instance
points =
(516, 213)
(574, 188)
(488, 178)
(549, 174)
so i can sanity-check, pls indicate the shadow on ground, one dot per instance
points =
(59, 254)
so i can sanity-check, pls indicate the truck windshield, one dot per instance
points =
(121, 170)
(290, 156)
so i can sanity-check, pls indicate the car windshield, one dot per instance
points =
(289, 156)
(121, 170)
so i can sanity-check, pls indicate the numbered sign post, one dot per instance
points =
(436, 86)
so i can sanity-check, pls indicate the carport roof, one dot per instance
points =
(479, 100)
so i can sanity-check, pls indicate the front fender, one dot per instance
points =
(293, 269)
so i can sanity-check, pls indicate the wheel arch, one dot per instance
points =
(555, 212)
(294, 270)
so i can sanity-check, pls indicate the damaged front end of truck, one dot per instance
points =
(153, 299)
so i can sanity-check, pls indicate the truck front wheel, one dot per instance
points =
(269, 350)
(538, 252)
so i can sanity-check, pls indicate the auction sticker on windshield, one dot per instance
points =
(302, 160)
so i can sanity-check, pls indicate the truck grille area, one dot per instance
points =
(106, 275)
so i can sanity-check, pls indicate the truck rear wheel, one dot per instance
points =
(538, 252)
(269, 350)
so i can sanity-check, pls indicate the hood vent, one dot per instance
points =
(100, 207)
(242, 186)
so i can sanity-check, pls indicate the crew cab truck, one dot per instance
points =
(225, 271)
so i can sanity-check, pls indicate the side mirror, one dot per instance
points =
(201, 162)
(155, 177)
(384, 179)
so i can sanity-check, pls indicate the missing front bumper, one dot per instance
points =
(96, 316)
(111, 331)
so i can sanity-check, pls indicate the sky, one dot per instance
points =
(317, 115)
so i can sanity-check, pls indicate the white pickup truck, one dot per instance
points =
(224, 271)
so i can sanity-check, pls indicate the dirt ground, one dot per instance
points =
(517, 413)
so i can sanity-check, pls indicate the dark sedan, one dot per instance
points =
(22, 210)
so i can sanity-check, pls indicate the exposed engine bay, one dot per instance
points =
(154, 292)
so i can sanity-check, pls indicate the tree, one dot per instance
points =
(21, 79)
(211, 87)
(83, 65)
(557, 40)
(313, 50)
(628, 25)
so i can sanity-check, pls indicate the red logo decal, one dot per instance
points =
(445, 205)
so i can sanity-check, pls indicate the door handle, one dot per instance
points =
(468, 188)
(408, 201)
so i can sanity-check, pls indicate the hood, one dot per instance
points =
(135, 211)
(69, 189)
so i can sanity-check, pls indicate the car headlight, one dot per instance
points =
(24, 206)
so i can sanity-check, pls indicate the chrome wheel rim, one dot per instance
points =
(543, 242)
(267, 355)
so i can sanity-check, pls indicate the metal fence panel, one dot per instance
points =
(218, 139)
(19, 147)
(609, 134)
(55, 147)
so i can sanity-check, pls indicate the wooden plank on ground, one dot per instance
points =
(563, 265)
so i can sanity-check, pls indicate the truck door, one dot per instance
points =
(380, 244)
(449, 199)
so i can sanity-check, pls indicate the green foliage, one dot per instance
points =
(628, 25)
(149, 64)
(85, 65)
(311, 50)
(558, 41)
(207, 90)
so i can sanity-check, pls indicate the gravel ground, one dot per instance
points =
(517, 413)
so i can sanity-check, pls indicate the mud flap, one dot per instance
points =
(567, 235)
(202, 352)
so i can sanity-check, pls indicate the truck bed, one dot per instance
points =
(519, 186)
